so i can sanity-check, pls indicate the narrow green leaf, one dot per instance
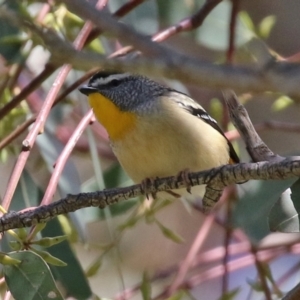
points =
(22, 233)
(94, 267)
(246, 20)
(77, 284)
(146, 287)
(7, 260)
(230, 295)
(31, 275)
(256, 285)
(50, 259)
(282, 103)
(169, 233)
(179, 295)
(36, 229)
(15, 245)
(266, 26)
(48, 241)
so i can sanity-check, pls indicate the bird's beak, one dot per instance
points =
(87, 90)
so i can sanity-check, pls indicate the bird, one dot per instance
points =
(155, 130)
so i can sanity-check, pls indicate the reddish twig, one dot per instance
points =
(189, 23)
(34, 84)
(261, 274)
(227, 193)
(197, 244)
(121, 12)
(49, 69)
(232, 28)
(267, 252)
(61, 161)
(42, 116)
(186, 24)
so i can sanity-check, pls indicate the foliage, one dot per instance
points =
(38, 95)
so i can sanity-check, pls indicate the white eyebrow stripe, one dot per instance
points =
(106, 80)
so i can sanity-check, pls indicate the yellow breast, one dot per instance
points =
(117, 123)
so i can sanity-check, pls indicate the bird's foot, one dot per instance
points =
(184, 175)
(146, 184)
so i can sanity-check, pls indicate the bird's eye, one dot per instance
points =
(114, 82)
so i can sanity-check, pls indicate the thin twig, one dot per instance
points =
(221, 177)
(262, 275)
(42, 117)
(189, 23)
(256, 148)
(34, 84)
(232, 30)
(60, 163)
(196, 246)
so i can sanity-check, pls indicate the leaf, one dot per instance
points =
(146, 287)
(94, 267)
(50, 259)
(10, 36)
(26, 192)
(179, 295)
(32, 276)
(169, 233)
(284, 216)
(266, 26)
(230, 295)
(282, 103)
(72, 276)
(49, 241)
(246, 20)
(7, 260)
(253, 209)
(255, 285)
(50, 149)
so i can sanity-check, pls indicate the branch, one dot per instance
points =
(256, 148)
(293, 294)
(163, 62)
(280, 77)
(217, 178)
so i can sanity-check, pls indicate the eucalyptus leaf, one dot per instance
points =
(31, 279)
(253, 209)
(76, 285)
(284, 216)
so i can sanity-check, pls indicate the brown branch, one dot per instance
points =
(280, 77)
(186, 24)
(121, 12)
(293, 294)
(256, 148)
(217, 177)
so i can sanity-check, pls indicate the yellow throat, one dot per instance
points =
(116, 122)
